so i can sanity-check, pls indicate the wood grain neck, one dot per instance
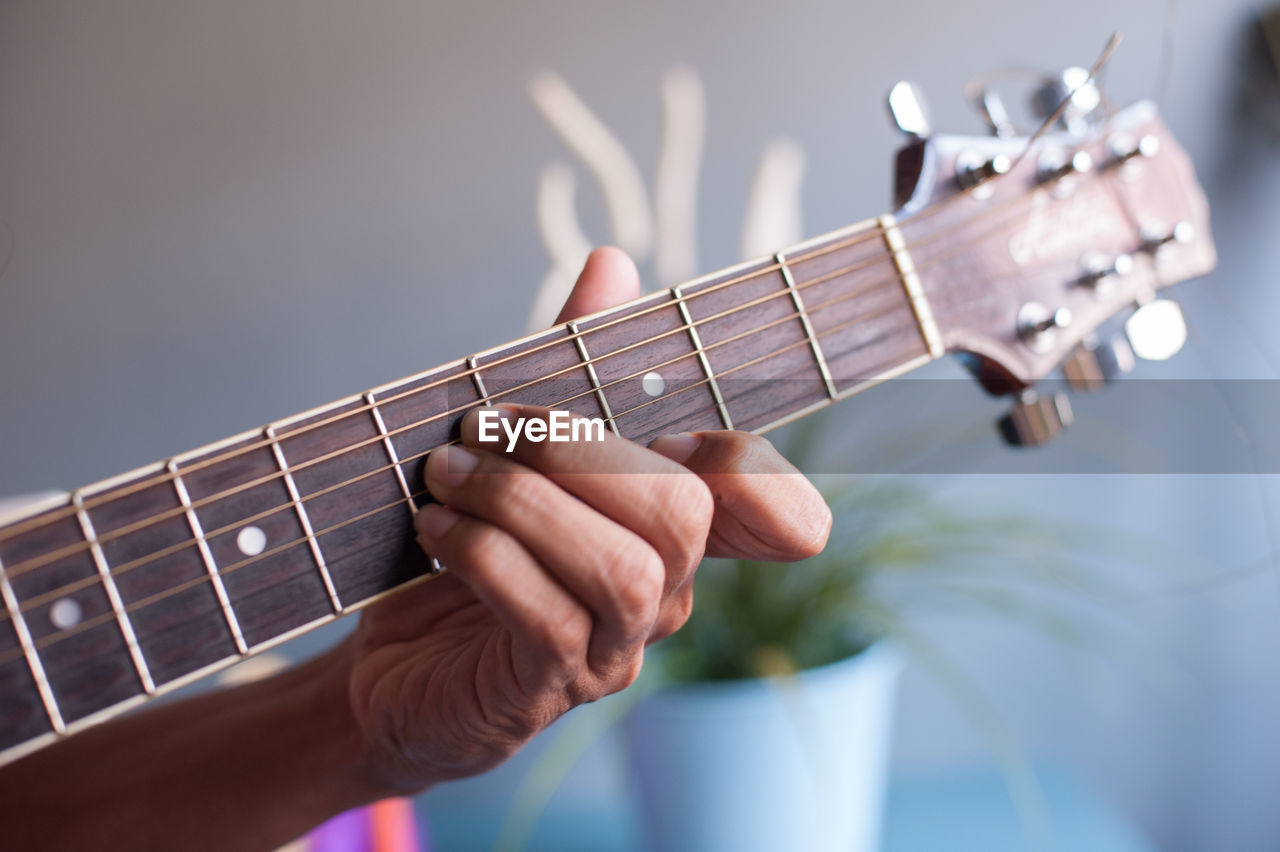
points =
(139, 584)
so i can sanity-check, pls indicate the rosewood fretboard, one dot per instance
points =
(141, 583)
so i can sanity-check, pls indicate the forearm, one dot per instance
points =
(250, 767)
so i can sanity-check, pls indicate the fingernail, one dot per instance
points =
(450, 466)
(434, 521)
(678, 447)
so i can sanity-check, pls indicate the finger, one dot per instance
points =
(764, 508)
(611, 570)
(636, 487)
(608, 278)
(676, 609)
(550, 631)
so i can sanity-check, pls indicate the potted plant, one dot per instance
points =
(772, 727)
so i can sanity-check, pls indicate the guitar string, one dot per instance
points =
(141, 561)
(1093, 72)
(855, 239)
(871, 233)
(107, 497)
(104, 618)
(288, 506)
(884, 285)
(151, 481)
(120, 569)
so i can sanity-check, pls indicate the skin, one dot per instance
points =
(566, 561)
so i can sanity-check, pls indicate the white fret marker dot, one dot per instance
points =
(251, 541)
(65, 614)
(653, 384)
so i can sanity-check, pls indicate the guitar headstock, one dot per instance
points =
(1027, 247)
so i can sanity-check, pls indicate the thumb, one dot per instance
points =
(608, 278)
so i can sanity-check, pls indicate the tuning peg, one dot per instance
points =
(1124, 149)
(1037, 325)
(972, 168)
(1076, 87)
(1156, 237)
(1096, 270)
(1055, 168)
(1094, 363)
(991, 105)
(1156, 330)
(1035, 420)
(908, 110)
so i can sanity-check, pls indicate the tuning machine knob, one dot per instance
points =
(1096, 272)
(1125, 150)
(1155, 237)
(973, 168)
(1037, 325)
(1081, 95)
(1156, 330)
(1094, 363)
(1035, 419)
(1053, 169)
(908, 110)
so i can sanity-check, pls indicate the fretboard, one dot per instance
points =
(139, 584)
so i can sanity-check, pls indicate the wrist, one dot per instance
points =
(319, 694)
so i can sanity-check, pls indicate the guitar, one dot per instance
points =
(1011, 252)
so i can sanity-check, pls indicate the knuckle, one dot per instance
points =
(675, 615)
(563, 639)
(514, 491)
(693, 506)
(640, 587)
(478, 546)
(628, 673)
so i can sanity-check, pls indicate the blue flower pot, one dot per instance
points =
(768, 764)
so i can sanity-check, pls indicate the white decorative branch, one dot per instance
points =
(566, 244)
(774, 219)
(676, 183)
(604, 155)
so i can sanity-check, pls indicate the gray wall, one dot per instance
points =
(219, 214)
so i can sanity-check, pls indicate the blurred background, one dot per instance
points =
(215, 215)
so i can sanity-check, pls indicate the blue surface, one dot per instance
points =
(956, 812)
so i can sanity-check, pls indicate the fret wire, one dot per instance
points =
(157, 597)
(808, 326)
(767, 356)
(113, 594)
(29, 651)
(865, 384)
(844, 297)
(14, 752)
(388, 446)
(591, 374)
(128, 566)
(303, 518)
(702, 358)
(228, 492)
(860, 233)
(370, 398)
(475, 376)
(206, 554)
(755, 330)
(679, 329)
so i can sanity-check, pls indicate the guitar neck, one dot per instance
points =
(139, 584)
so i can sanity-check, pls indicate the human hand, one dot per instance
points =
(566, 560)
